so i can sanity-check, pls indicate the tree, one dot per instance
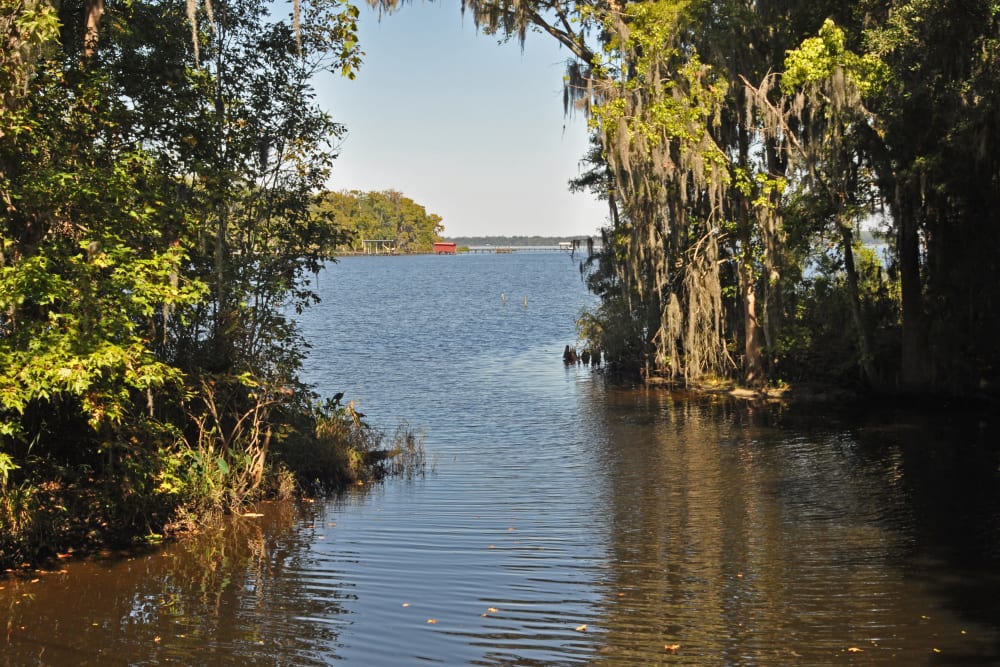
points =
(828, 132)
(939, 176)
(711, 139)
(156, 230)
(697, 182)
(385, 215)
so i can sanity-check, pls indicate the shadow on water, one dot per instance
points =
(234, 594)
(949, 478)
(744, 536)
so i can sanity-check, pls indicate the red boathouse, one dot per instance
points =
(444, 248)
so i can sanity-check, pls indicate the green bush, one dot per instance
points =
(332, 446)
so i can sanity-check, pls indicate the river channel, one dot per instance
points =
(560, 520)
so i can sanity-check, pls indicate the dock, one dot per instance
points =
(505, 250)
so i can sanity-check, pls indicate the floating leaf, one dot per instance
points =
(492, 610)
(855, 649)
(581, 628)
(406, 604)
(671, 648)
(432, 621)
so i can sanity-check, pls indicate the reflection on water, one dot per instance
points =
(788, 543)
(566, 522)
(231, 595)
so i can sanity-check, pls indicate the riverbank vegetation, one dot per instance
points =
(158, 171)
(743, 148)
(379, 216)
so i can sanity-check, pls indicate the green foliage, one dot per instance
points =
(7, 466)
(332, 445)
(384, 215)
(717, 122)
(611, 329)
(87, 266)
(814, 347)
(27, 30)
(818, 58)
(157, 229)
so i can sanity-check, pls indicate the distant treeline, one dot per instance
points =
(387, 215)
(513, 240)
(867, 238)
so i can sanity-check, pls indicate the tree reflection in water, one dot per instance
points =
(243, 593)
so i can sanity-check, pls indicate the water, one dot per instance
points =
(561, 521)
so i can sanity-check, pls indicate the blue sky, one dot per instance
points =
(469, 128)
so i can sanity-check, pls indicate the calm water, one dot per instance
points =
(561, 521)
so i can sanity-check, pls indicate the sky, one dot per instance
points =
(471, 129)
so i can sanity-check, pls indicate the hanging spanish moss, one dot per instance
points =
(670, 180)
(192, 17)
(735, 144)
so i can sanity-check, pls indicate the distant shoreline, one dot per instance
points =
(518, 241)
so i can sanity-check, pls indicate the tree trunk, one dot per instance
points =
(771, 234)
(93, 13)
(753, 364)
(913, 372)
(854, 293)
(753, 342)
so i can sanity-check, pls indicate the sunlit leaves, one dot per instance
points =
(90, 343)
(819, 58)
(388, 215)
(7, 466)
(27, 29)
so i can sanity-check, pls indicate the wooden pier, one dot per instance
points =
(378, 247)
(508, 249)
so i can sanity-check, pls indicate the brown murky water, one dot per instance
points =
(563, 521)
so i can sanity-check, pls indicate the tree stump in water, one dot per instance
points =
(569, 355)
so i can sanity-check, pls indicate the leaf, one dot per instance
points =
(671, 648)
(581, 628)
